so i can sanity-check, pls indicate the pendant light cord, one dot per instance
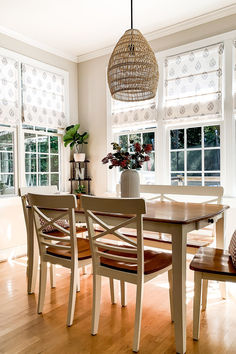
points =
(131, 14)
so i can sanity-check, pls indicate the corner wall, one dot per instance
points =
(92, 93)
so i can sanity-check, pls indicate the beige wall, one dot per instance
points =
(92, 93)
(12, 227)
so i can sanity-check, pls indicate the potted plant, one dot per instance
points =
(129, 161)
(80, 190)
(76, 140)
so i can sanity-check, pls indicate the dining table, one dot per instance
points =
(175, 218)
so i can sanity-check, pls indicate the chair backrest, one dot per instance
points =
(23, 191)
(132, 210)
(67, 204)
(167, 192)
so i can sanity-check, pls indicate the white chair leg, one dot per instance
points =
(78, 282)
(97, 281)
(197, 304)
(138, 316)
(42, 285)
(170, 279)
(112, 290)
(204, 294)
(72, 296)
(123, 293)
(53, 275)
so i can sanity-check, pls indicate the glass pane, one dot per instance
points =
(194, 179)
(54, 163)
(149, 138)
(43, 180)
(194, 160)
(212, 160)
(43, 162)
(55, 179)
(149, 165)
(194, 137)
(29, 127)
(54, 144)
(40, 129)
(30, 142)
(6, 147)
(31, 180)
(212, 179)
(43, 144)
(212, 136)
(51, 130)
(135, 137)
(177, 179)
(6, 137)
(7, 184)
(177, 139)
(30, 163)
(6, 162)
(123, 141)
(177, 161)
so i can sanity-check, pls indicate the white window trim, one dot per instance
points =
(195, 125)
(227, 121)
(19, 131)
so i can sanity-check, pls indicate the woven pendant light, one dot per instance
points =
(132, 70)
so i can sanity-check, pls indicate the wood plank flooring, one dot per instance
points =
(23, 331)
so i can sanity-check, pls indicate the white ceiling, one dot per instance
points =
(74, 28)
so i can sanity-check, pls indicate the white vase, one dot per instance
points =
(130, 184)
(79, 157)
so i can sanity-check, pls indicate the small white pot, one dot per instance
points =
(79, 157)
(130, 184)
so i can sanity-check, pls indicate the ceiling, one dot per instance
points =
(74, 28)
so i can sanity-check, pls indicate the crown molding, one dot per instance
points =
(37, 44)
(165, 31)
(162, 32)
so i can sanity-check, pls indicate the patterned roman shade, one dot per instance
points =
(128, 114)
(9, 100)
(193, 83)
(43, 97)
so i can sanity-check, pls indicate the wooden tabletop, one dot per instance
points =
(177, 212)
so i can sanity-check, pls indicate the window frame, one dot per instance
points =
(19, 173)
(202, 149)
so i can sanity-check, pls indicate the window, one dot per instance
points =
(7, 178)
(33, 114)
(147, 173)
(195, 156)
(42, 159)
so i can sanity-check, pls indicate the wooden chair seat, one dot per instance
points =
(213, 260)
(153, 261)
(58, 233)
(83, 249)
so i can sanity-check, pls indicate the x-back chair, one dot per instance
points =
(127, 262)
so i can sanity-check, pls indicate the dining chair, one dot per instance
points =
(211, 264)
(126, 260)
(67, 249)
(23, 191)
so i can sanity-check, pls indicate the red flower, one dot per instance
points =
(105, 160)
(146, 158)
(114, 162)
(148, 148)
(137, 147)
(123, 163)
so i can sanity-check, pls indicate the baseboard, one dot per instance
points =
(13, 252)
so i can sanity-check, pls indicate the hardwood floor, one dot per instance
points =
(23, 331)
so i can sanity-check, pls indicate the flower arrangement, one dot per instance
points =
(128, 160)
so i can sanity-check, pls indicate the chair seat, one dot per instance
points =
(58, 233)
(213, 260)
(153, 261)
(83, 250)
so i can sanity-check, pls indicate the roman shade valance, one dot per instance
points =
(145, 117)
(9, 98)
(193, 83)
(43, 97)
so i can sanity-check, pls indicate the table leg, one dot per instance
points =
(220, 243)
(179, 237)
(32, 253)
